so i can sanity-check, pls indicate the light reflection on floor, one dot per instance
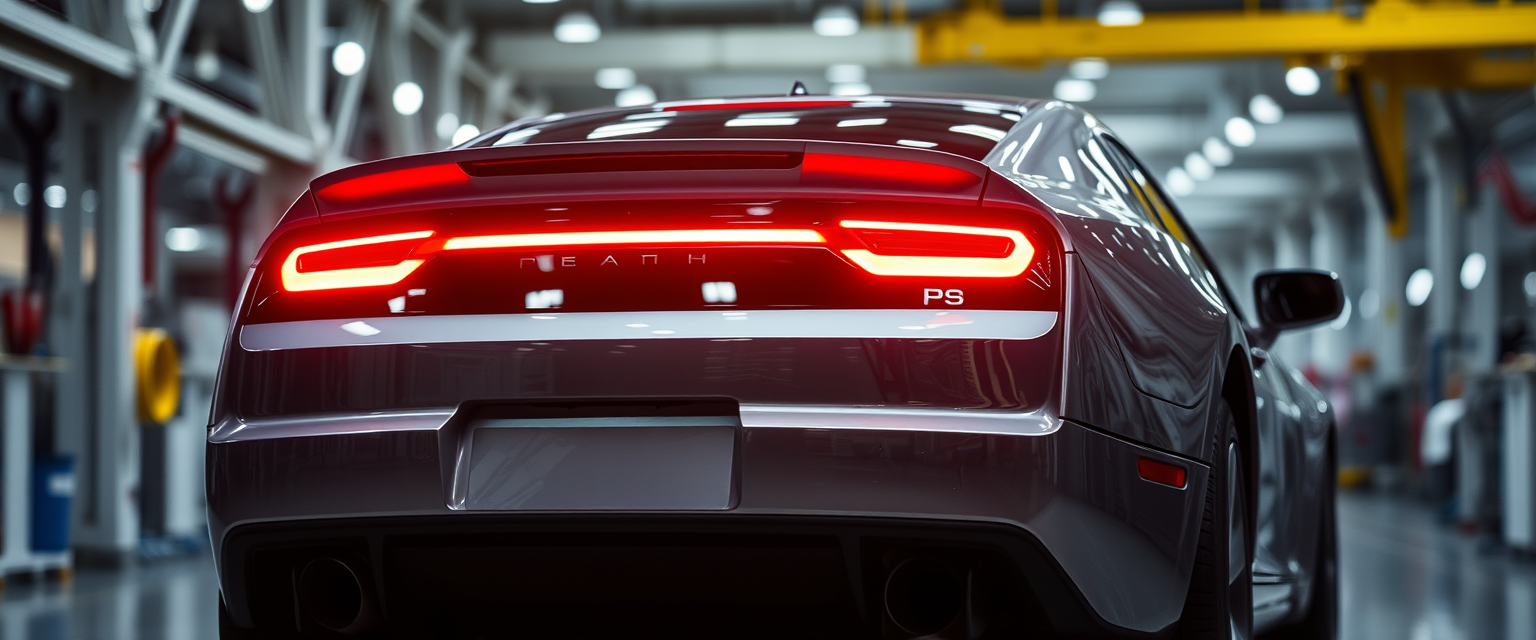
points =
(1405, 577)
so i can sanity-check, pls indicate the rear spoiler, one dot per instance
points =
(604, 170)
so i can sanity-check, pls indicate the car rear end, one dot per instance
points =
(741, 387)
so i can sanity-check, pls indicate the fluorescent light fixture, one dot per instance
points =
(348, 58)
(1265, 110)
(1472, 269)
(257, 6)
(54, 196)
(861, 122)
(206, 66)
(1419, 286)
(1198, 167)
(615, 78)
(851, 89)
(1302, 81)
(183, 239)
(635, 96)
(846, 73)
(516, 137)
(407, 98)
(1240, 132)
(1120, 13)
(465, 133)
(1179, 182)
(446, 125)
(577, 27)
(1075, 90)
(836, 20)
(761, 122)
(1216, 151)
(22, 193)
(979, 131)
(626, 129)
(1089, 68)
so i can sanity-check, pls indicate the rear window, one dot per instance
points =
(969, 129)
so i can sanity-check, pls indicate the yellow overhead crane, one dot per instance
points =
(1376, 51)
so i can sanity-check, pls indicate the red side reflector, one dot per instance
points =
(380, 184)
(335, 268)
(951, 251)
(893, 171)
(1161, 472)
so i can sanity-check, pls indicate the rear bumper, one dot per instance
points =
(1098, 549)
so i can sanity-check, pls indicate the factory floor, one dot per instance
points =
(1405, 575)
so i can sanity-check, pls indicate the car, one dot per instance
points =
(793, 366)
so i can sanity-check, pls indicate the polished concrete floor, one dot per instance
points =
(1405, 577)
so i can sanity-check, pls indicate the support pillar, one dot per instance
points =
(1387, 280)
(1482, 316)
(1330, 240)
(1444, 255)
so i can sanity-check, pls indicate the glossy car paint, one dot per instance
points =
(1146, 345)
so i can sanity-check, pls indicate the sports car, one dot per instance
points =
(801, 366)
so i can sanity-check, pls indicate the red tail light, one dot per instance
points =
(346, 264)
(649, 237)
(1161, 472)
(912, 249)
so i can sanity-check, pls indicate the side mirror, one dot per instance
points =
(1295, 298)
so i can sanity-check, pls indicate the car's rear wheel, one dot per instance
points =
(1322, 618)
(1220, 601)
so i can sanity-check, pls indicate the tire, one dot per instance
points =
(1322, 619)
(1220, 601)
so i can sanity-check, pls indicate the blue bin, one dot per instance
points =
(53, 489)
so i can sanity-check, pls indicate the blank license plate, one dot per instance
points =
(526, 465)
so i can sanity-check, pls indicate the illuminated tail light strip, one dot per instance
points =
(678, 236)
(295, 280)
(1007, 266)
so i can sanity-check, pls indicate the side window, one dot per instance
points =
(1149, 197)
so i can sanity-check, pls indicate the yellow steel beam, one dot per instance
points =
(980, 33)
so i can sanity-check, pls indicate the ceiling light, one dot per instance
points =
(1530, 289)
(1179, 182)
(615, 78)
(836, 20)
(1198, 167)
(1217, 151)
(22, 193)
(636, 96)
(838, 73)
(850, 89)
(257, 6)
(1419, 286)
(577, 27)
(1075, 90)
(1472, 269)
(205, 65)
(54, 197)
(1370, 303)
(1302, 81)
(408, 98)
(1240, 132)
(446, 125)
(465, 133)
(1120, 13)
(183, 239)
(1265, 110)
(1089, 68)
(348, 58)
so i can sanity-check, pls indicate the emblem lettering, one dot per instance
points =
(651, 256)
(568, 261)
(699, 257)
(609, 260)
(951, 297)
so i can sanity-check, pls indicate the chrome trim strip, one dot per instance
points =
(650, 325)
(753, 416)
(237, 430)
(903, 419)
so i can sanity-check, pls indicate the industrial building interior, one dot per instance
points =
(155, 143)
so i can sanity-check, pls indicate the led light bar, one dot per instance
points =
(295, 280)
(1008, 266)
(674, 236)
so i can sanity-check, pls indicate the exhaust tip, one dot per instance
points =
(924, 595)
(331, 593)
